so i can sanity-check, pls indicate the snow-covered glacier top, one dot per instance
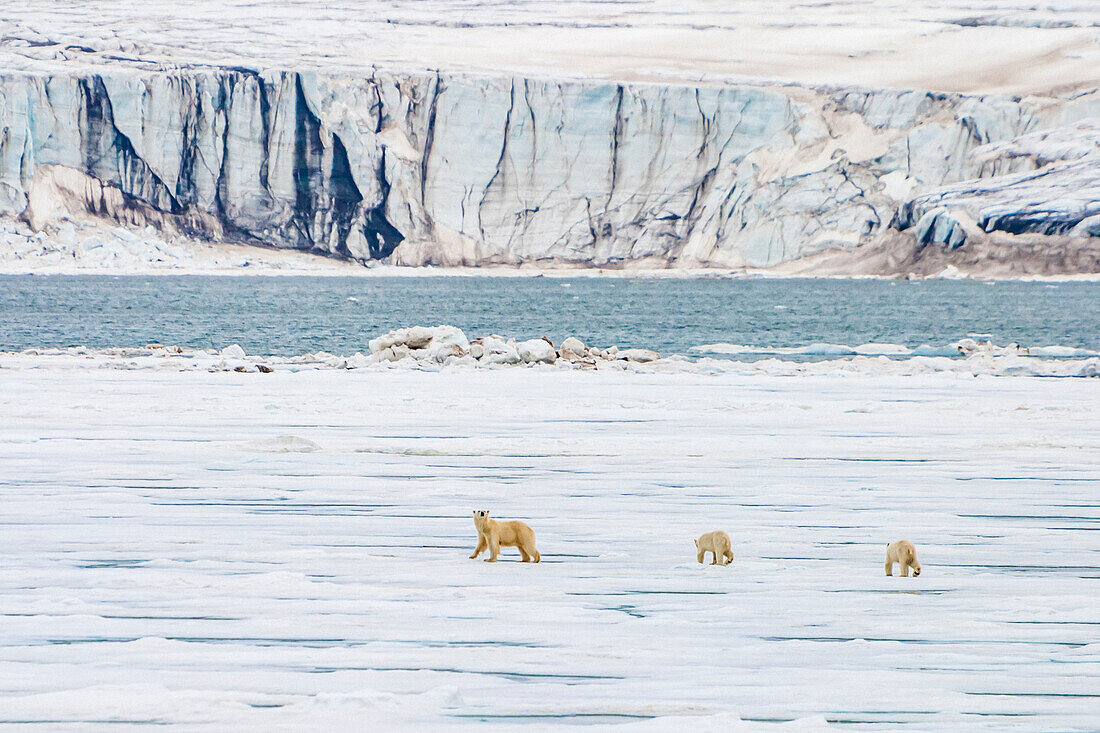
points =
(979, 46)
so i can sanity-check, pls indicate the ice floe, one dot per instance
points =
(174, 559)
(447, 347)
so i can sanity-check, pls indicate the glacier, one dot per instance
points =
(474, 167)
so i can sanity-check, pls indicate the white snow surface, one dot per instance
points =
(980, 46)
(91, 247)
(211, 551)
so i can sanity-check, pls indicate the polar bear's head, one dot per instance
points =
(480, 513)
(915, 567)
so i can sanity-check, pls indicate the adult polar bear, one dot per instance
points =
(514, 533)
(718, 544)
(904, 554)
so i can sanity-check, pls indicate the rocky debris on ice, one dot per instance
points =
(166, 349)
(447, 344)
(446, 347)
(495, 350)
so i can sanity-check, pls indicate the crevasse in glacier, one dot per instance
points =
(460, 169)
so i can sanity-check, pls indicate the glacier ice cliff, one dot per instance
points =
(1061, 195)
(465, 169)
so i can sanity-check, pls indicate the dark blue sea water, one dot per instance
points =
(293, 315)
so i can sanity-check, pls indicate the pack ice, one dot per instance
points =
(211, 550)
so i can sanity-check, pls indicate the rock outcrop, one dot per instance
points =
(452, 169)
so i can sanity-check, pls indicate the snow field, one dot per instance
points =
(980, 46)
(288, 551)
(89, 246)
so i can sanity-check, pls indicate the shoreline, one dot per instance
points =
(100, 249)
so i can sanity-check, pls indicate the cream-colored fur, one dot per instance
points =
(718, 544)
(492, 534)
(904, 554)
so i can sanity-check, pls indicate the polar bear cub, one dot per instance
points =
(492, 534)
(718, 544)
(904, 554)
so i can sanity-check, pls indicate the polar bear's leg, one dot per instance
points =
(889, 567)
(700, 556)
(494, 549)
(523, 556)
(714, 560)
(481, 545)
(903, 567)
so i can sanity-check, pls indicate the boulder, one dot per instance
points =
(393, 353)
(447, 341)
(359, 360)
(437, 342)
(537, 351)
(418, 337)
(641, 356)
(573, 349)
(441, 351)
(499, 351)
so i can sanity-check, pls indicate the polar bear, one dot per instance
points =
(904, 554)
(492, 534)
(718, 544)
